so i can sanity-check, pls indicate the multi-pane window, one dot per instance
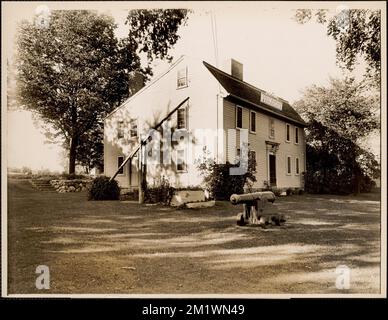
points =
(297, 165)
(182, 78)
(296, 135)
(181, 160)
(120, 129)
(133, 128)
(182, 118)
(288, 165)
(253, 121)
(120, 161)
(271, 128)
(238, 117)
(287, 132)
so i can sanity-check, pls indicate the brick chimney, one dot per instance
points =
(236, 69)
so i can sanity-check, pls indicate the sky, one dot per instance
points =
(279, 56)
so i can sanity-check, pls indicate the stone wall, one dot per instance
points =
(75, 185)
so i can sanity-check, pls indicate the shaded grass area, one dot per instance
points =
(122, 247)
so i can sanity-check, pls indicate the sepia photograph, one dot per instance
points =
(181, 149)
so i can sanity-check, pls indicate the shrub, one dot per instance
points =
(277, 192)
(103, 189)
(220, 183)
(160, 192)
(367, 184)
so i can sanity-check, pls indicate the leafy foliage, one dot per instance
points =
(73, 71)
(154, 31)
(338, 117)
(220, 183)
(357, 33)
(103, 189)
(161, 192)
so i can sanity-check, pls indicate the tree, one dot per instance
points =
(72, 70)
(357, 33)
(338, 117)
(91, 150)
(150, 29)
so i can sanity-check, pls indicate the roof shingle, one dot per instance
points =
(243, 92)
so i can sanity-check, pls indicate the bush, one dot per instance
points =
(289, 192)
(367, 184)
(103, 189)
(220, 183)
(277, 192)
(161, 192)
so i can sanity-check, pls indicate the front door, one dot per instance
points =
(272, 169)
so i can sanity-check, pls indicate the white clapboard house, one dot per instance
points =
(211, 102)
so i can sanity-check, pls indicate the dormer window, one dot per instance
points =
(182, 78)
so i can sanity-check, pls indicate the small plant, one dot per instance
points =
(161, 192)
(277, 192)
(103, 189)
(220, 183)
(289, 192)
(267, 186)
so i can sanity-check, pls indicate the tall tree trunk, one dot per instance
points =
(357, 181)
(73, 154)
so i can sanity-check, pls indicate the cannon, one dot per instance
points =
(258, 208)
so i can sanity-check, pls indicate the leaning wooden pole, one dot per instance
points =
(140, 146)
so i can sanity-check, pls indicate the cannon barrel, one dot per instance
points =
(249, 197)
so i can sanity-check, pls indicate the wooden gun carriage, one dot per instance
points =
(258, 208)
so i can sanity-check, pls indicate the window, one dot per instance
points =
(120, 130)
(271, 128)
(296, 165)
(296, 135)
(182, 118)
(288, 165)
(120, 161)
(238, 117)
(287, 132)
(253, 121)
(181, 160)
(133, 128)
(182, 78)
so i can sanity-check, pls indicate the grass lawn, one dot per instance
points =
(122, 247)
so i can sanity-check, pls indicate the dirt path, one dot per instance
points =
(121, 247)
